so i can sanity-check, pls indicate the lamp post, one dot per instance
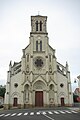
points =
(75, 81)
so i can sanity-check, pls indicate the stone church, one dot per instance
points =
(38, 80)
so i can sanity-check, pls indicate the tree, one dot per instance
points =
(2, 91)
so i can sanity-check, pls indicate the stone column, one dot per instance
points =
(47, 96)
(47, 64)
(70, 95)
(55, 96)
(55, 70)
(30, 98)
(31, 58)
(23, 67)
(31, 77)
(47, 77)
(22, 99)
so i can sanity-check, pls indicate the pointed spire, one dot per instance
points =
(38, 13)
(10, 64)
(23, 53)
(66, 65)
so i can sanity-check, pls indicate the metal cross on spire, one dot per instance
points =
(38, 12)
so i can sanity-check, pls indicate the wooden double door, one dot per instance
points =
(39, 98)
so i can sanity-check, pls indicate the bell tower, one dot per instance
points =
(38, 34)
(38, 24)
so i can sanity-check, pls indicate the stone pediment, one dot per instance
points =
(26, 82)
(52, 80)
(39, 77)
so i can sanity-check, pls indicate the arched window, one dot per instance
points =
(40, 45)
(50, 58)
(36, 45)
(51, 87)
(40, 26)
(28, 58)
(36, 25)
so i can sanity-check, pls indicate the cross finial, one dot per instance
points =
(38, 12)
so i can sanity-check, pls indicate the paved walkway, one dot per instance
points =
(74, 108)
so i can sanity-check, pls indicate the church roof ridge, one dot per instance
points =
(51, 48)
(26, 47)
(38, 16)
(38, 77)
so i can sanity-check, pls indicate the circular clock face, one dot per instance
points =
(39, 62)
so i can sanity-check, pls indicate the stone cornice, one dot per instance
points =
(38, 33)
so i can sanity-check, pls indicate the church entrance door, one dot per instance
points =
(62, 101)
(15, 102)
(39, 98)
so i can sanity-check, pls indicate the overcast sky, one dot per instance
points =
(63, 27)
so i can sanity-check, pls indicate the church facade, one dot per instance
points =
(38, 80)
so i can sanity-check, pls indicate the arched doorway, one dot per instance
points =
(62, 98)
(15, 102)
(39, 88)
(15, 99)
(62, 101)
